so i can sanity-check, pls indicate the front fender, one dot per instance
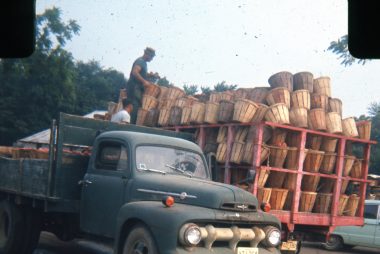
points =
(163, 222)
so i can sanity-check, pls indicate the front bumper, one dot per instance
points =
(221, 250)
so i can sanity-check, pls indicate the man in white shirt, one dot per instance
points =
(123, 116)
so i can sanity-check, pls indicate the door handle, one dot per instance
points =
(84, 182)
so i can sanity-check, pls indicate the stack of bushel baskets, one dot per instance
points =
(299, 100)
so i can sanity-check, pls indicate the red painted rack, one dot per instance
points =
(293, 217)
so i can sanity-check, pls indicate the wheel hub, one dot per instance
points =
(140, 248)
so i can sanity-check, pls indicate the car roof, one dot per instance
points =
(372, 202)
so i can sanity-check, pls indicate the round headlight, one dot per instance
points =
(190, 235)
(272, 236)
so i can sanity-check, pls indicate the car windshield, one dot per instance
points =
(170, 160)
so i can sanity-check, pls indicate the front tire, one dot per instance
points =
(11, 228)
(335, 242)
(140, 241)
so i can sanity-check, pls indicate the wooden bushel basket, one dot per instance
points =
(258, 94)
(163, 93)
(349, 127)
(248, 153)
(226, 111)
(262, 178)
(348, 163)
(291, 161)
(328, 163)
(149, 102)
(300, 99)
(182, 102)
(334, 123)
(307, 201)
(289, 201)
(241, 93)
(310, 183)
(317, 119)
(197, 113)
(244, 110)
(185, 118)
(279, 95)
(343, 199)
(141, 115)
(278, 137)
(222, 134)
(329, 144)
(321, 85)
(263, 195)
(323, 203)
(210, 148)
(281, 79)
(278, 198)
(151, 117)
(293, 138)
(352, 205)
(260, 112)
(174, 93)
(221, 152)
(319, 101)
(175, 116)
(277, 156)
(313, 161)
(303, 80)
(166, 103)
(152, 90)
(356, 171)
(335, 105)
(298, 117)
(276, 179)
(278, 113)
(344, 186)
(163, 118)
(237, 152)
(267, 133)
(241, 134)
(364, 130)
(314, 142)
(290, 181)
(211, 112)
(227, 95)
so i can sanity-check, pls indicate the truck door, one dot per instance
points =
(104, 188)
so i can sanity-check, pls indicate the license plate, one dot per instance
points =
(289, 245)
(246, 250)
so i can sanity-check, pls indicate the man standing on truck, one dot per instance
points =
(138, 81)
(123, 116)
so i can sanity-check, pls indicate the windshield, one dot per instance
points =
(170, 160)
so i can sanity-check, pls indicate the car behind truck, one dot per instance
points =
(146, 190)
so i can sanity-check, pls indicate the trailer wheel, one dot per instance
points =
(11, 228)
(334, 242)
(139, 241)
(32, 230)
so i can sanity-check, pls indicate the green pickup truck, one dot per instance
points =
(145, 190)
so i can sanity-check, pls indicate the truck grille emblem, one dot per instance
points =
(242, 207)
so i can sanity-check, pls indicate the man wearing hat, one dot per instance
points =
(138, 81)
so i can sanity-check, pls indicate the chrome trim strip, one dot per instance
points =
(182, 195)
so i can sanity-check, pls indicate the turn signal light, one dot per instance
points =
(266, 207)
(168, 201)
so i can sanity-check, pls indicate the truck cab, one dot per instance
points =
(132, 176)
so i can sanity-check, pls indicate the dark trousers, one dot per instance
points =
(136, 105)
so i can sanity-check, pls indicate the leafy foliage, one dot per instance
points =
(164, 82)
(222, 86)
(206, 90)
(340, 48)
(190, 89)
(34, 90)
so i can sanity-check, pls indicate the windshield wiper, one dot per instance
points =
(185, 172)
(144, 168)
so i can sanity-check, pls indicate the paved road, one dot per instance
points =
(51, 245)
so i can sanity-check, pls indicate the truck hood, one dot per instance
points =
(192, 191)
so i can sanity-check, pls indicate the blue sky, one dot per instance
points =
(205, 42)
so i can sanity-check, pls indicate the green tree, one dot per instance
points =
(190, 89)
(206, 90)
(340, 48)
(164, 82)
(223, 86)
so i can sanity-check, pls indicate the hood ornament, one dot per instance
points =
(242, 207)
